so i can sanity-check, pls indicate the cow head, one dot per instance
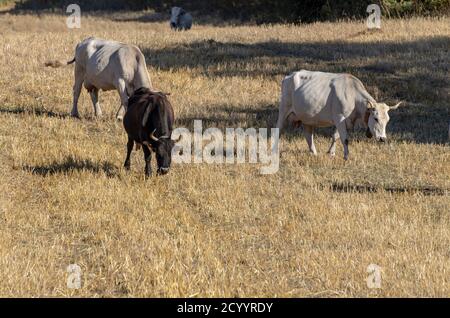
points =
(162, 146)
(376, 119)
(159, 141)
(175, 14)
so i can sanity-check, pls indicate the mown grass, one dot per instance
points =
(224, 230)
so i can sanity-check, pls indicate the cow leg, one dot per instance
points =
(77, 91)
(282, 112)
(309, 135)
(121, 87)
(130, 145)
(94, 97)
(95, 103)
(147, 158)
(342, 130)
(332, 150)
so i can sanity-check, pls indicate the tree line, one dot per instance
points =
(259, 11)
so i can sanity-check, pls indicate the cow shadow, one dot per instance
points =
(71, 164)
(224, 116)
(343, 187)
(147, 17)
(33, 112)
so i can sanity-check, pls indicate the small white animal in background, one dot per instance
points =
(180, 19)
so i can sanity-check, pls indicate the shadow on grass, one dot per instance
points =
(35, 112)
(147, 17)
(284, 57)
(223, 116)
(361, 188)
(71, 164)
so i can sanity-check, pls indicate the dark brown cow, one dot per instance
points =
(148, 122)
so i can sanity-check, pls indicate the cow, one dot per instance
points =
(107, 65)
(180, 19)
(318, 99)
(148, 123)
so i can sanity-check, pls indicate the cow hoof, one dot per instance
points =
(75, 115)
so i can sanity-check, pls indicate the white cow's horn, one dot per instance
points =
(396, 106)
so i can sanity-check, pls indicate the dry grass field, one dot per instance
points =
(310, 230)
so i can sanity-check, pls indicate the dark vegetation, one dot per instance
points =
(259, 11)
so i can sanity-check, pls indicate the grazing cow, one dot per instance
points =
(148, 123)
(180, 19)
(317, 99)
(107, 65)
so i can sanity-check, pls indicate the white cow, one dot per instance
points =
(180, 19)
(107, 65)
(317, 99)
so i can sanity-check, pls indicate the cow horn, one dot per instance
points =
(395, 106)
(152, 136)
(146, 115)
(370, 104)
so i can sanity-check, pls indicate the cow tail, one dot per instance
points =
(56, 64)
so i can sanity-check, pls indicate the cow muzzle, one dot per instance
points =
(382, 139)
(163, 170)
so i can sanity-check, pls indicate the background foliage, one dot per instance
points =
(260, 11)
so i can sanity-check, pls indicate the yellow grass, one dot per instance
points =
(224, 230)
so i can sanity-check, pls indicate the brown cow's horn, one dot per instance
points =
(153, 137)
